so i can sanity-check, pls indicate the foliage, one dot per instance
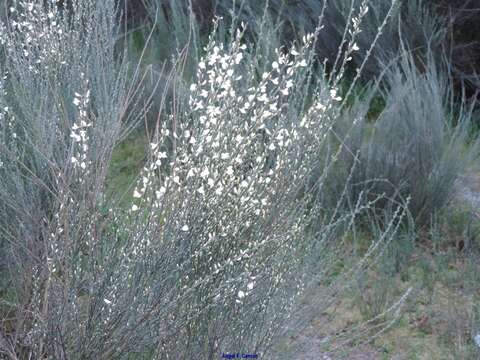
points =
(417, 146)
(224, 223)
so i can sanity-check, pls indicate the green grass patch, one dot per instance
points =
(127, 161)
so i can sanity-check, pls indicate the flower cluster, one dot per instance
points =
(353, 29)
(223, 165)
(8, 128)
(37, 36)
(79, 131)
(233, 147)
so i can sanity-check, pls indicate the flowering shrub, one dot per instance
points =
(225, 228)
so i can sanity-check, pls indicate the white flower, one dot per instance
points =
(134, 207)
(238, 58)
(266, 115)
(250, 286)
(76, 137)
(185, 228)
(76, 101)
(355, 47)
(263, 98)
(241, 294)
(159, 193)
(477, 340)
(199, 105)
(230, 171)
(136, 194)
(205, 172)
(193, 87)
(190, 173)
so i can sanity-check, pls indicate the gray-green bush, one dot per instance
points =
(420, 143)
(223, 232)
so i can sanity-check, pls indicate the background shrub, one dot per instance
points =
(418, 145)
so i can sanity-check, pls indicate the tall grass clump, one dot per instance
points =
(225, 229)
(419, 145)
